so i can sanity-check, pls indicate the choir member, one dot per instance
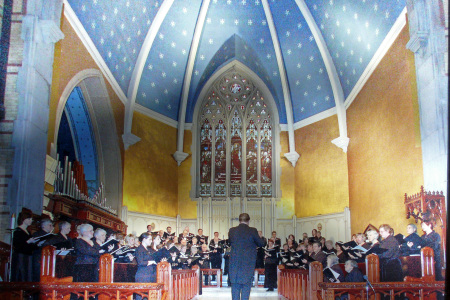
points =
(43, 234)
(433, 240)
(284, 256)
(127, 252)
(260, 252)
(193, 258)
(390, 265)
(361, 242)
(184, 236)
(174, 259)
(169, 234)
(335, 273)
(100, 238)
(194, 243)
(61, 241)
(216, 249)
(313, 236)
(354, 274)
(205, 260)
(292, 245)
(329, 249)
(147, 257)
(373, 236)
(412, 243)
(317, 255)
(88, 255)
(270, 266)
(291, 237)
(340, 254)
(276, 240)
(202, 239)
(23, 246)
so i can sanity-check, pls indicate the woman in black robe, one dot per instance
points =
(270, 267)
(433, 240)
(390, 265)
(23, 246)
(147, 257)
(88, 255)
(412, 243)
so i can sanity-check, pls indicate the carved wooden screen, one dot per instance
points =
(236, 136)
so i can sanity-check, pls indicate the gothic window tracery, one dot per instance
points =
(235, 139)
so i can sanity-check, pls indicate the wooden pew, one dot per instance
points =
(296, 284)
(424, 287)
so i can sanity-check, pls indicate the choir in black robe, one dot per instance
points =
(21, 256)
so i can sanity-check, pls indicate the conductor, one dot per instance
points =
(244, 240)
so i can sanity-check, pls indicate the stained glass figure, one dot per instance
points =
(205, 158)
(236, 154)
(266, 152)
(252, 152)
(220, 174)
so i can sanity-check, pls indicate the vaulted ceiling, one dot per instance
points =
(160, 54)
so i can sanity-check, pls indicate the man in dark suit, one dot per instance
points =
(244, 240)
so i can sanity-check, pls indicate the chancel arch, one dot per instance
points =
(91, 86)
(235, 150)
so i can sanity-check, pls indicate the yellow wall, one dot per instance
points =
(384, 154)
(71, 57)
(187, 208)
(286, 205)
(321, 177)
(150, 182)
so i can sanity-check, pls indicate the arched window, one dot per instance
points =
(235, 140)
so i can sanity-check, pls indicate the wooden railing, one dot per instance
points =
(179, 284)
(176, 284)
(359, 290)
(296, 284)
(424, 287)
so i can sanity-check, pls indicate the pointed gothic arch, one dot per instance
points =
(95, 95)
(241, 114)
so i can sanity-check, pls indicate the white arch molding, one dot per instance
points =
(259, 84)
(97, 100)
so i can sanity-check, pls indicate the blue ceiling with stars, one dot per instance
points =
(238, 30)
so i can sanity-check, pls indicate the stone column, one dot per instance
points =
(40, 32)
(428, 26)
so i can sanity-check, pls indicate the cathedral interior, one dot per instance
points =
(187, 113)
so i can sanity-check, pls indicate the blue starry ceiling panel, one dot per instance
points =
(162, 78)
(245, 19)
(118, 29)
(353, 31)
(308, 79)
(83, 137)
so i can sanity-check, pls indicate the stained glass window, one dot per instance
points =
(220, 159)
(205, 158)
(235, 140)
(236, 154)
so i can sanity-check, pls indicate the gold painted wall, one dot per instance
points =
(71, 57)
(286, 205)
(187, 208)
(321, 174)
(150, 182)
(384, 154)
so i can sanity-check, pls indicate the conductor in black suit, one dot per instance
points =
(244, 240)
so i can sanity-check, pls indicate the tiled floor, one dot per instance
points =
(225, 293)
